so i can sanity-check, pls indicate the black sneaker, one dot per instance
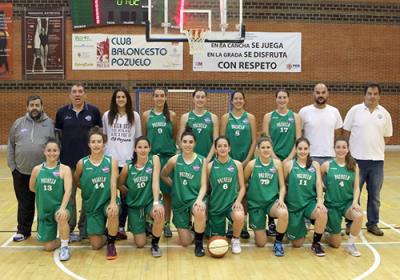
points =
(317, 249)
(245, 234)
(199, 249)
(229, 234)
(156, 251)
(271, 230)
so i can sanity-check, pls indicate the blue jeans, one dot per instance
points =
(371, 172)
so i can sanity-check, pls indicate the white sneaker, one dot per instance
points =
(64, 254)
(352, 249)
(236, 249)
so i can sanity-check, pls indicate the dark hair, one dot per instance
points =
(33, 97)
(350, 161)
(137, 140)
(188, 131)
(372, 85)
(52, 140)
(78, 85)
(281, 90)
(113, 113)
(198, 90)
(263, 139)
(309, 159)
(238, 91)
(165, 108)
(97, 130)
(220, 138)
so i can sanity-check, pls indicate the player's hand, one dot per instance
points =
(321, 207)
(199, 205)
(281, 204)
(62, 214)
(237, 206)
(356, 207)
(158, 211)
(112, 209)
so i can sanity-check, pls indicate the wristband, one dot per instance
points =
(156, 202)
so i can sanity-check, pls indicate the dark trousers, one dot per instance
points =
(26, 202)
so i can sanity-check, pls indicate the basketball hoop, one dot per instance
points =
(196, 38)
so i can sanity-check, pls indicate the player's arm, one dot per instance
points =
(248, 170)
(298, 135)
(281, 181)
(215, 136)
(224, 122)
(156, 179)
(320, 191)
(265, 124)
(242, 189)
(253, 127)
(145, 118)
(203, 187)
(32, 179)
(172, 116)
(113, 207)
(78, 173)
(182, 126)
(287, 167)
(167, 170)
(67, 176)
(122, 180)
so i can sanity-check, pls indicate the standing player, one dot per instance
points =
(122, 126)
(159, 126)
(239, 127)
(139, 180)
(189, 187)
(341, 195)
(96, 175)
(305, 197)
(204, 124)
(284, 127)
(226, 194)
(52, 183)
(265, 194)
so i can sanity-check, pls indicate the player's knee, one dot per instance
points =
(49, 246)
(297, 243)
(283, 214)
(261, 243)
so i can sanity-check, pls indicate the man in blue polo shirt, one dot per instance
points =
(73, 122)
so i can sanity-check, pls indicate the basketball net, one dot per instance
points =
(196, 38)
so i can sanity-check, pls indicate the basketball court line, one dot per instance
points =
(377, 258)
(63, 268)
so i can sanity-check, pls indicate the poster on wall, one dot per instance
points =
(124, 52)
(89, 13)
(6, 62)
(260, 52)
(44, 46)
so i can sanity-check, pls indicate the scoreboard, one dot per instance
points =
(88, 13)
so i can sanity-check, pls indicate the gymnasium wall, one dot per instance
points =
(345, 44)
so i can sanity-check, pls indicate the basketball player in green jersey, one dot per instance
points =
(159, 126)
(240, 128)
(304, 197)
(341, 195)
(227, 190)
(284, 127)
(189, 187)
(52, 183)
(96, 176)
(140, 179)
(265, 195)
(204, 124)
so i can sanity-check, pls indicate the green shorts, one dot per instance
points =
(296, 227)
(182, 217)
(217, 223)
(47, 225)
(96, 221)
(257, 216)
(335, 214)
(137, 218)
(165, 189)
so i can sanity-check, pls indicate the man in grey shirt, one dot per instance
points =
(26, 142)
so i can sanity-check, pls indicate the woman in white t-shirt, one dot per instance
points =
(122, 126)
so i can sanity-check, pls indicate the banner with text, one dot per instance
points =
(124, 52)
(6, 41)
(260, 52)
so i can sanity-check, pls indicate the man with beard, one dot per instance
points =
(26, 143)
(73, 122)
(320, 124)
(370, 127)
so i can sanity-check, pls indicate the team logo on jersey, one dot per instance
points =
(207, 120)
(272, 170)
(231, 168)
(24, 130)
(88, 118)
(311, 169)
(246, 121)
(196, 168)
(106, 169)
(56, 173)
(291, 119)
(68, 118)
(149, 170)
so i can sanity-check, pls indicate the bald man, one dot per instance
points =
(320, 123)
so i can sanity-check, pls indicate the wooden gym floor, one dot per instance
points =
(379, 260)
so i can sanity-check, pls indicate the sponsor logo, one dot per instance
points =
(207, 120)
(88, 118)
(24, 130)
(231, 168)
(311, 169)
(291, 119)
(272, 170)
(56, 173)
(106, 170)
(246, 121)
(149, 170)
(196, 168)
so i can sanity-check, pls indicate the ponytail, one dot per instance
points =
(166, 112)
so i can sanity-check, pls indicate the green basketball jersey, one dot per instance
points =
(224, 186)
(140, 184)
(49, 190)
(95, 184)
(238, 131)
(282, 130)
(186, 181)
(160, 134)
(339, 184)
(263, 185)
(301, 187)
(202, 127)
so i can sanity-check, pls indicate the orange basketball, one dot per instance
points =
(218, 246)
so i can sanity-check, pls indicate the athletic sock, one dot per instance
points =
(64, 243)
(155, 240)
(198, 237)
(270, 220)
(317, 237)
(279, 236)
(111, 239)
(352, 239)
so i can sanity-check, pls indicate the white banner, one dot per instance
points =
(124, 52)
(260, 52)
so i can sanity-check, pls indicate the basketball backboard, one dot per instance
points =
(169, 19)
